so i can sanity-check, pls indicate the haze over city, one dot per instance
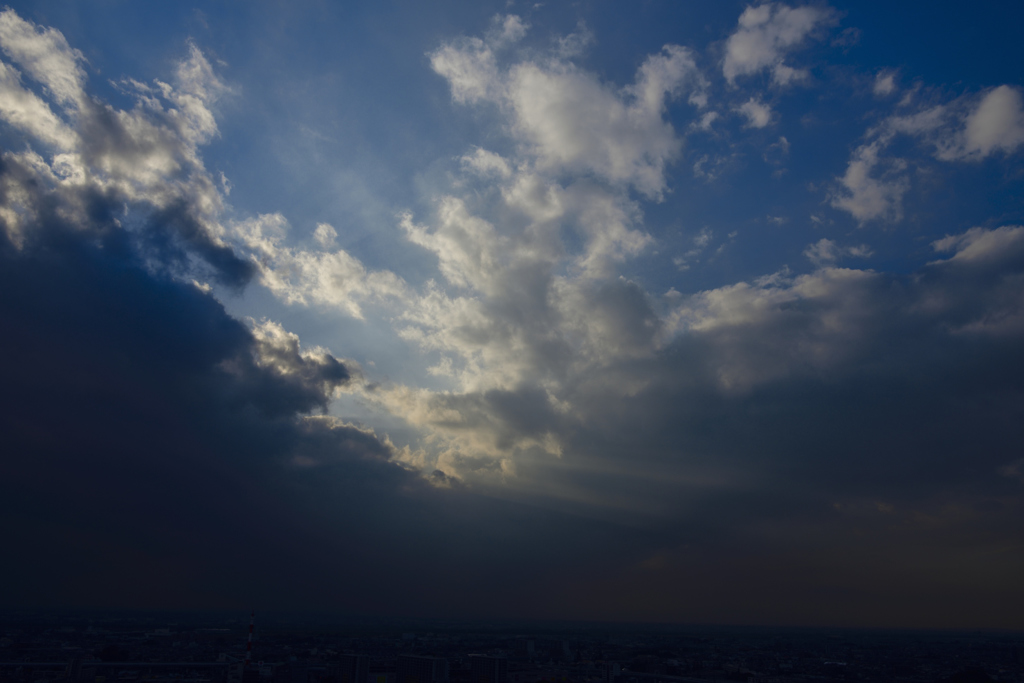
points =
(659, 312)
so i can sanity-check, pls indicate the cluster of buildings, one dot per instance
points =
(213, 650)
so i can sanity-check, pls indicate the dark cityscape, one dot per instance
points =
(187, 648)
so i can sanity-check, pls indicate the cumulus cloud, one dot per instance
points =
(885, 84)
(470, 68)
(758, 113)
(826, 252)
(867, 196)
(45, 54)
(571, 120)
(330, 277)
(515, 316)
(979, 244)
(23, 109)
(969, 128)
(739, 340)
(765, 35)
(582, 341)
(487, 163)
(995, 125)
(705, 122)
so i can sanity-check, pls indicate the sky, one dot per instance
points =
(652, 311)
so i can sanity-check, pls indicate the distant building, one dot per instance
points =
(382, 673)
(79, 671)
(350, 669)
(413, 669)
(250, 674)
(487, 669)
(293, 672)
(525, 648)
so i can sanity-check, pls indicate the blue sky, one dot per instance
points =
(733, 291)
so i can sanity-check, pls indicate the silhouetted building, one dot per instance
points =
(524, 648)
(250, 674)
(350, 669)
(487, 669)
(382, 673)
(292, 673)
(79, 671)
(413, 669)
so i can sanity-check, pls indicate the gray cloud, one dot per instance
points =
(764, 36)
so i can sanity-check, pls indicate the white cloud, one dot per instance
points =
(510, 29)
(885, 83)
(23, 109)
(197, 87)
(826, 252)
(470, 68)
(665, 74)
(758, 113)
(966, 129)
(45, 55)
(325, 235)
(47, 58)
(784, 75)
(329, 278)
(470, 64)
(705, 121)
(572, 122)
(866, 196)
(765, 35)
(574, 44)
(487, 163)
(997, 124)
(980, 244)
(467, 247)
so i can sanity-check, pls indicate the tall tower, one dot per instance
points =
(250, 674)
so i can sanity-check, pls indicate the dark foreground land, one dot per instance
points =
(211, 648)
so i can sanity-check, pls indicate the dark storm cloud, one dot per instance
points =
(174, 233)
(826, 450)
(130, 398)
(158, 452)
